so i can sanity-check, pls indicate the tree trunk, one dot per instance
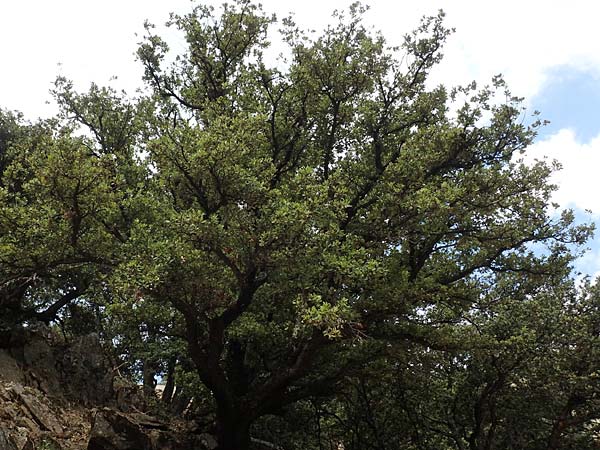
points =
(167, 394)
(180, 400)
(233, 430)
(555, 436)
(149, 370)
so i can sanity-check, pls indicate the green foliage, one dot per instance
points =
(327, 240)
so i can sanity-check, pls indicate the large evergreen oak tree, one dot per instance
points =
(289, 221)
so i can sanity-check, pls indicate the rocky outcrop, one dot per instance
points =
(47, 387)
(59, 396)
(79, 370)
(114, 430)
(29, 420)
(89, 371)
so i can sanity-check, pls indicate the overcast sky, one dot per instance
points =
(548, 51)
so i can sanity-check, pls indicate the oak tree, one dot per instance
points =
(291, 221)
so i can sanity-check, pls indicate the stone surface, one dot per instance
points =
(20, 438)
(89, 371)
(38, 356)
(41, 413)
(56, 395)
(129, 397)
(9, 369)
(6, 443)
(112, 430)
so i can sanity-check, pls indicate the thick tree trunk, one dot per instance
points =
(555, 437)
(233, 430)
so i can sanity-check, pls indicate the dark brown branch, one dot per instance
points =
(50, 313)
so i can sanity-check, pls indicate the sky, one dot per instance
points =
(548, 52)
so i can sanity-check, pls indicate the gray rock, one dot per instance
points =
(112, 430)
(6, 442)
(9, 369)
(41, 413)
(89, 371)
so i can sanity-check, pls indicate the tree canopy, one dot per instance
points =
(321, 250)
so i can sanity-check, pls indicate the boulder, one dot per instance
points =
(6, 442)
(112, 430)
(89, 371)
(41, 413)
(19, 439)
(128, 396)
(115, 430)
(10, 372)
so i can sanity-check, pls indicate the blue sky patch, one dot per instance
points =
(570, 98)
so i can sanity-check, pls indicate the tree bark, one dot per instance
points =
(233, 429)
(180, 400)
(148, 373)
(167, 394)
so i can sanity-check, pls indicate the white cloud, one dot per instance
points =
(578, 178)
(576, 183)
(589, 263)
(523, 39)
(83, 40)
(93, 41)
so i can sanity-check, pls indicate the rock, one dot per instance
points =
(11, 372)
(41, 413)
(26, 423)
(112, 430)
(6, 443)
(209, 441)
(48, 443)
(129, 396)
(39, 357)
(21, 438)
(48, 387)
(16, 389)
(89, 371)
(18, 439)
(146, 421)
